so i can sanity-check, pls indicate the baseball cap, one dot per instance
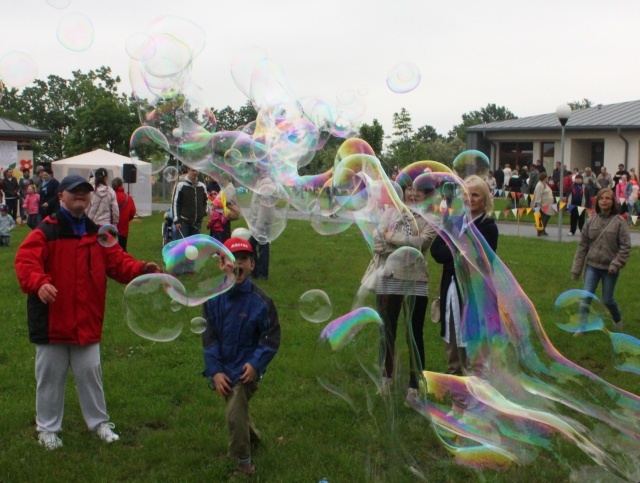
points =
(69, 183)
(4, 208)
(39, 168)
(236, 245)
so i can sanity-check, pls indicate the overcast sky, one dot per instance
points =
(526, 55)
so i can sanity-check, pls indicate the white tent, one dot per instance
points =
(86, 164)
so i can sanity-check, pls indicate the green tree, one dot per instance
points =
(402, 149)
(374, 135)
(583, 104)
(489, 113)
(426, 134)
(58, 104)
(229, 119)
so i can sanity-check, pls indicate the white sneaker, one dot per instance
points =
(106, 434)
(49, 440)
(412, 394)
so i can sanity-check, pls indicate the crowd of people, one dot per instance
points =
(51, 265)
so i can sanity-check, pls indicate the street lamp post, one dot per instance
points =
(563, 112)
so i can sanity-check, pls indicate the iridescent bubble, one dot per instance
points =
(150, 145)
(266, 215)
(471, 162)
(107, 235)
(203, 265)
(351, 104)
(75, 32)
(175, 306)
(17, 69)
(149, 302)
(198, 325)
(578, 311)
(59, 4)
(170, 174)
(243, 65)
(315, 306)
(403, 77)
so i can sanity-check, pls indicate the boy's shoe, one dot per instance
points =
(49, 440)
(244, 470)
(571, 234)
(618, 325)
(106, 434)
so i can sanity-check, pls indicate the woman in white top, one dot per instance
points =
(103, 209)
(542, 198)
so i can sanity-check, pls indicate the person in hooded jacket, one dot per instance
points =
(103, 209)
(127, 209)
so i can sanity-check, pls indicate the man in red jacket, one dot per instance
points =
(63, 269)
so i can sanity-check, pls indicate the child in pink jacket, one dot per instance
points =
(31, 203)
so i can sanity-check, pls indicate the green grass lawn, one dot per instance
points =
(172, 425)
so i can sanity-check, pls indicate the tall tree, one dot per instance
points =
(489, 113)
(402, 149)
(374, 135)
(58, 104)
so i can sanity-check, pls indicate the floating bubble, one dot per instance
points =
(177, 132)
(266, 215)
(170, 174)
(198, 325)
(315, 306)
(149, 302)
(578, 311)
(243, 233)
(208, 273)
(403, 77)
(59, 4)
(17, 69)
(107, 235)
(191, 252)
(75, 32)
(150, 145)
(471, 162)
(175, 306)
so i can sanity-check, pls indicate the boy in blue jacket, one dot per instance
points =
(241, 339)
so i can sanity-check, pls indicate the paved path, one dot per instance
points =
(525, 230)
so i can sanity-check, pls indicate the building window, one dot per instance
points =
(516, 154)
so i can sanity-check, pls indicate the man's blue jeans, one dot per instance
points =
(592, 277)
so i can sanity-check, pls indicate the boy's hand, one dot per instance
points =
(249, 374)
(222, 383)
(47, 293)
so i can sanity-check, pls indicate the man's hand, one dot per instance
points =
(249, 374)
(222, 384)
(150, 267)
(47, 293)
(178, 226)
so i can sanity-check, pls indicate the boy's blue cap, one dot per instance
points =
(69, 183)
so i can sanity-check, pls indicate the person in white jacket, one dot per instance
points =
(103, 209)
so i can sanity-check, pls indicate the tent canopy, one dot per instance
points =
(86, 164)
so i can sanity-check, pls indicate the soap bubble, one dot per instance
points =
(403, 77)
(75, 32)
(150, 145)
(315, 306)
(191, 252)
(198, 325)
(241, 232)
(471, 162)
(578, 311)
(107, 235)
(170, 174)
(149, 301)
(209, 273)
(17, 69)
